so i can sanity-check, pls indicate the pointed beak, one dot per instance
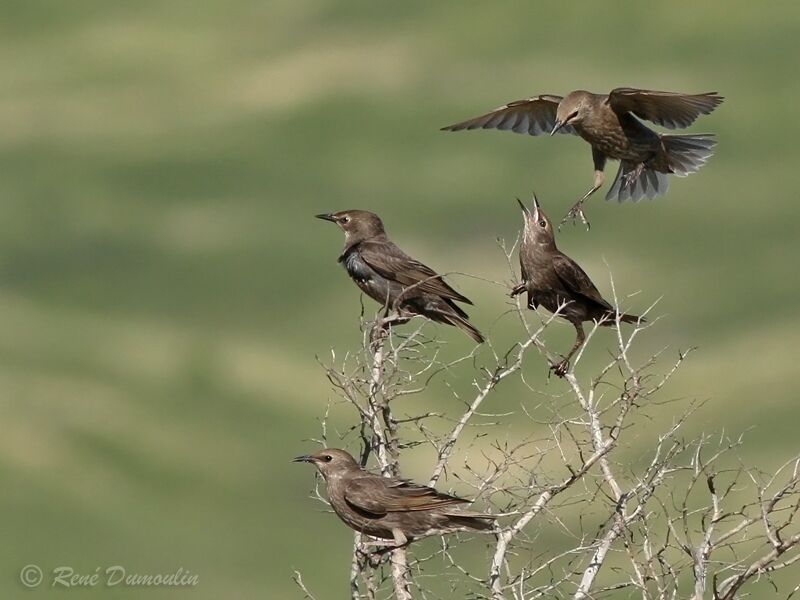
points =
(304, 458)
(326, 217)
(535, 206)
(556, 127)
(524, 208)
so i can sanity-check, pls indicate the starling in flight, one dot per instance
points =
(390, 508)
(555, 281)
(611, 125)
(392, 278)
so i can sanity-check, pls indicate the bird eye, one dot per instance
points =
(572, 116)
(542, 223)
(345, 219)
(327, 458)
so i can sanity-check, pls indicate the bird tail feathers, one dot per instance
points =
(469, 329)
(625, 318)
(457, 320)
(474, 522)
(610, 318)
(687, 153)
(630, 186)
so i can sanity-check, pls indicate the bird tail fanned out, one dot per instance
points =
(687, 153)
(628, 186)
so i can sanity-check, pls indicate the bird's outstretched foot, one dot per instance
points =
(575, 213)
(560, 369)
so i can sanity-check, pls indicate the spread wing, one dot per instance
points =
(576, 280)
(392, 263)
(668, 109)
(379, 495)
(534, 116)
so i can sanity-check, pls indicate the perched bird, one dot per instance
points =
(609, 123)
(391, 277)
(554, 280)
(390, 508)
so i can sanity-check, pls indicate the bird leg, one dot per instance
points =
(577, 209)
(632, 176)
(560, 369)
(400, 538)
(599, 160)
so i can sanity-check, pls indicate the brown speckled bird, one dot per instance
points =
(392, 278)
(390, 508)
(609, 123)
(553, 280)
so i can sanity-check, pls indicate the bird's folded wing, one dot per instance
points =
(575, 279)
(379, 495)
(534, 116)
(394, 264)
(667, 109)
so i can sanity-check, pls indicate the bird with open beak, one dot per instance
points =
(610, 123)
(392, 278)
(553, 280)
(389, 508)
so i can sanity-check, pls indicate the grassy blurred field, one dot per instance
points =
(164, 289)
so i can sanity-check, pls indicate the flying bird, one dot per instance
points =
(392, 278)
(390, 508)
(610, 123)
(553, 280)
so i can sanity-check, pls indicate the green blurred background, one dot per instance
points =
(164, 288)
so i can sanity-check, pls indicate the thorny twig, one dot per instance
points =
(583, 472)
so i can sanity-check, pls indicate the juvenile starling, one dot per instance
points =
(390, 508)
(555, 281)
(608, 122)
(388, 275)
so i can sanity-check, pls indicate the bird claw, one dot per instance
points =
(517, 289)
(575, 213)
(560, 369)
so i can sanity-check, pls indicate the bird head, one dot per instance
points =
(571, 110)
(538, 229)
(330, 461)
(357, 225)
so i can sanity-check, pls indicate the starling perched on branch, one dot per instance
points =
(555, 281)
(390, 508)
(609, 123)
(388, 275)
